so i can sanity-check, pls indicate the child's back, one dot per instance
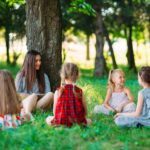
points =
(69, 108)
(146, 103)
(69, 102)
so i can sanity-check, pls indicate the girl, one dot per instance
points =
(141, 116)
(69, 101)
(33, 83)
(9, 103)
(118, 97)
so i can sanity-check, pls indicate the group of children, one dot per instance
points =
(32, 90)
(119, 100)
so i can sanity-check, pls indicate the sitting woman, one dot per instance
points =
(33, 84)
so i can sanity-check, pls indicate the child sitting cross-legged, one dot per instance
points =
(118, 97)
(69, 101)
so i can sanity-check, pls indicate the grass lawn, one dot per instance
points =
(102, 134)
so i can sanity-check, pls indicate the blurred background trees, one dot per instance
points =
(106, 20)
(44, 34)
(109, 20)
(12, 20)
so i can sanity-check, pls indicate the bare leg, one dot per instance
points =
(45, 101)
(49, 119)
(29, 103)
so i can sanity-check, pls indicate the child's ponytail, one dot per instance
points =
(68, 71)
(110, 82)
(79, 95)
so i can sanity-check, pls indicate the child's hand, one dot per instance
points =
(117, 115)
(112, 110)
(118, 109)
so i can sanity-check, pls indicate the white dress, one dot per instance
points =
(117, 99)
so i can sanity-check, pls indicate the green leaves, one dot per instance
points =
(82, 7)
(13, 2)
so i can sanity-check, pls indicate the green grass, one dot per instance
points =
(102, 134)
(11, 68)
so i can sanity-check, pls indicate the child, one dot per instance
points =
(118, 97)
(69, 102)
(9, 103)
(141, 116)
(33, 83)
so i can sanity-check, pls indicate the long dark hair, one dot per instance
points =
(30, 73)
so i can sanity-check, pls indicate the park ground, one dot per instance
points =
(102, 134)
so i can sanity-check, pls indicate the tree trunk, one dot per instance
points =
(100, 63)
(87, 47)
(130, 53)
(7, 44)
(110, 47)
(44, 34)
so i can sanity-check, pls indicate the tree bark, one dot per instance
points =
(44, 34)
(130, 53)
(110, 47)
(7, 44)
(100, 63)
(87, 47)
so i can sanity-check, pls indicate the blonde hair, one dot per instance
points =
(9, 102)
(69, 71)
(112, 73)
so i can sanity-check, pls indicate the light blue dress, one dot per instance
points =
(117, 99)
(21, 86)
(143, 119)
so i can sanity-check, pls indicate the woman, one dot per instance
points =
(33, 83)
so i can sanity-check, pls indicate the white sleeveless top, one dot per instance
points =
(118, 98)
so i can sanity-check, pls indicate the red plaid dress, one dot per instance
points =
(69, 108)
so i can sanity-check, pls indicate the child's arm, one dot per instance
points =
(138, 109)
(130, 96)
(107, 99)
(55, 101)
(84, 104)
